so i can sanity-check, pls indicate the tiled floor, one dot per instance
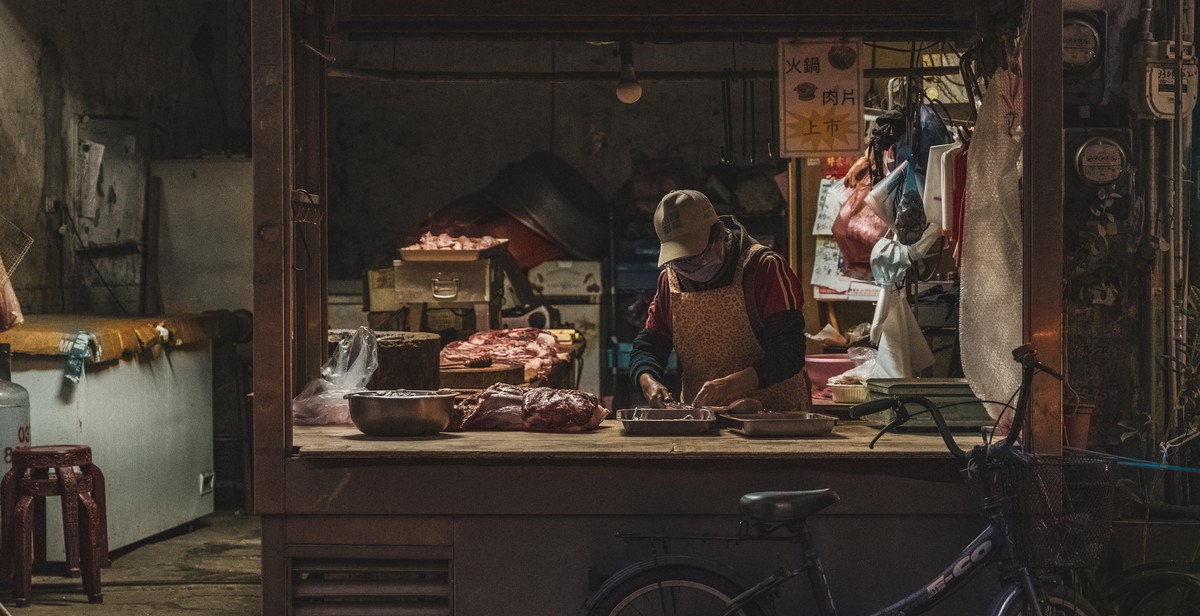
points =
(211, 569)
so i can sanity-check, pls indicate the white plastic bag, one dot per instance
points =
(323, 400)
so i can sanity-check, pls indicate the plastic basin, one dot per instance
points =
(825, 366)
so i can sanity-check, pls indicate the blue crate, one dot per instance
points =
(624, 350)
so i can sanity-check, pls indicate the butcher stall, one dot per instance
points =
(507, 497)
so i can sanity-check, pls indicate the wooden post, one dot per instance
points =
(1043, 209)
(272, 237)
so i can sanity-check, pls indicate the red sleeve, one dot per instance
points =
(658, 317)
(771, 288)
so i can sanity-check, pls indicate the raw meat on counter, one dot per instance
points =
(534, 348)
(541, 409)
(445, 241)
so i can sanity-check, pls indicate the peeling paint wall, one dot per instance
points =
(60, 60)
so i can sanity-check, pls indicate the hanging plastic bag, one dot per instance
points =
(323, 400)
(856, 229)
(897, 201)
(910, 209)
(885, 195)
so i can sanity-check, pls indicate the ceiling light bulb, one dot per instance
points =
(628, 88)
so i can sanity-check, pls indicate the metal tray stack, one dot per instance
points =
(780, 424)
(673, 422)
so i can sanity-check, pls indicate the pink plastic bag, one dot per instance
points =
(856, 230)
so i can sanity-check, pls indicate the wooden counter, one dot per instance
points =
(526, 520)
(848, 440)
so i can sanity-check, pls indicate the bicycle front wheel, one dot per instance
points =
(1059, 602)
(671, 591)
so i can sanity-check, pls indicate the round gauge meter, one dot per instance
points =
(1100, 161)
(1081, 44)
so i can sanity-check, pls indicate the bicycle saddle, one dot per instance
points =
(786, 506)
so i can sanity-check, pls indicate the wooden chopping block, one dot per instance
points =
(407, 360)
(482, 378)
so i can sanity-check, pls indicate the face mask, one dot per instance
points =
(889, 261)
(703, 267)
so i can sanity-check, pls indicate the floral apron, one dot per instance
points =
(713, 338)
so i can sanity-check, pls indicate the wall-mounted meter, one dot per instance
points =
(1084, 43)
(1098, 162)
(1152, 75)
(1101, 161)
(1081, 44)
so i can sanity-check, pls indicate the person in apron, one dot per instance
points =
(730, 309)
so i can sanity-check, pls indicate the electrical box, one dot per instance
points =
(1152, 74)
(1084, 40)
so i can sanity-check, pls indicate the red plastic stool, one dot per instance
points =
(38, 472)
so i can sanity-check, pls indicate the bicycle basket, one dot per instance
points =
(1059, 510)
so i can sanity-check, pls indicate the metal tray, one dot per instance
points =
(417, 254)
(781, 424)
(674, 422)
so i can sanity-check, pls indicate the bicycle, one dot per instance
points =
(1042, 515)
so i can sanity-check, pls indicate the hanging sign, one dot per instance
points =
(821, 97)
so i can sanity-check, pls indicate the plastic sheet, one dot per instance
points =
(991, 312)
(323, 400)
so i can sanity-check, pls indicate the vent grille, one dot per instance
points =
(370, 587)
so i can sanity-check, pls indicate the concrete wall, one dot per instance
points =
(60, 60)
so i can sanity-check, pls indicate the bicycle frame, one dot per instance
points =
(990, 546)
(993, 545)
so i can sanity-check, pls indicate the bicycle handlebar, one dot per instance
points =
(1025, 355)
(869, 408)
(897, 403)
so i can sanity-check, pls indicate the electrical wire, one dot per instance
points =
(996, 424)
(912, 47)
(83, 249)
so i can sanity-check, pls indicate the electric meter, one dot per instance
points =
(1081, 42)
(1152, 73)
(1101, 161)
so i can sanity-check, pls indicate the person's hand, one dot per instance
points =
(656, 393)
(722, 391)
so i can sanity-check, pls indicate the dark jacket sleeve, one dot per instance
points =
(652, 346)
(782, 340)
(774, 301)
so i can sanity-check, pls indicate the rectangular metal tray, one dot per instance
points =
(666, 422)
(781, 424)
(417, 254)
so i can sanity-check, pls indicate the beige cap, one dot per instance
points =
(682, 221)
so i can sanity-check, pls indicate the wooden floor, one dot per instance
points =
(848, 440)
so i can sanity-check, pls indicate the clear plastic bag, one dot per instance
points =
(864, 363)
(323, 400)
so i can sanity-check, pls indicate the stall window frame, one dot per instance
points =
(290, 167)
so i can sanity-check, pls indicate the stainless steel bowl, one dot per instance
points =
(417, 413)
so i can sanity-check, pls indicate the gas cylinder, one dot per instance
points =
(14, 410)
